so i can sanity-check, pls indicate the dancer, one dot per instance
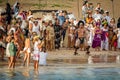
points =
(80, 32)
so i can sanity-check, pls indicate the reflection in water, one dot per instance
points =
(46, 73)
(26, 73)
(10, 73)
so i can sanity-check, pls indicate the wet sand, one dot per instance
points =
(66, 57)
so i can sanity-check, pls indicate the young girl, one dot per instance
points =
(36, 52)
(12, 50)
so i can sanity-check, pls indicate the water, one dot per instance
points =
(61, 73)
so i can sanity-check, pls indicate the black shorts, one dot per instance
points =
(81, 40)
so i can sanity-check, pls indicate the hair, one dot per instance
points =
(85, 2)
(80, 22)
(113, 19)
(8, 5)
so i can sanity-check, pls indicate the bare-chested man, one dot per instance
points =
(81, 36)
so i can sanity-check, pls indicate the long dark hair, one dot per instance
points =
(8, 8)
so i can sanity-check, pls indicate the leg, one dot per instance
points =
(37, 65)
(69, 42)
(34, 64)
(75, 53)
(11, 62)
(14, 61)
(28, 59)
(25, 57)
(2, 53)
(88, 47)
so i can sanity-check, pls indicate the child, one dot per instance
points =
(12, 50)
(36, 52)
(43, 56)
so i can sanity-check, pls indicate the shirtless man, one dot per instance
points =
(81, 36)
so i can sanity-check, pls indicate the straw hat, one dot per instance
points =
(36, 37)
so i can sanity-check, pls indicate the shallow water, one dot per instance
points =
(61, 73)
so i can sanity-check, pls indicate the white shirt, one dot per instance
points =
(97, 16)
(36, 46)
(108, 18)
(36, 29)
(12, 29)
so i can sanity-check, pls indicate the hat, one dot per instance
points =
(31, 16)
(106, 11)
(96, 9)
(36, 37)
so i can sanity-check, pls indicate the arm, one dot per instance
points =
(30, 27)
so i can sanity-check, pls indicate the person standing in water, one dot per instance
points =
(27, 51)
(36, 52)
(12, 50)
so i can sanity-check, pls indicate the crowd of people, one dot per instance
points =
(22, 33)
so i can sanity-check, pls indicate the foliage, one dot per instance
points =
(40, 5)
(60, 5)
